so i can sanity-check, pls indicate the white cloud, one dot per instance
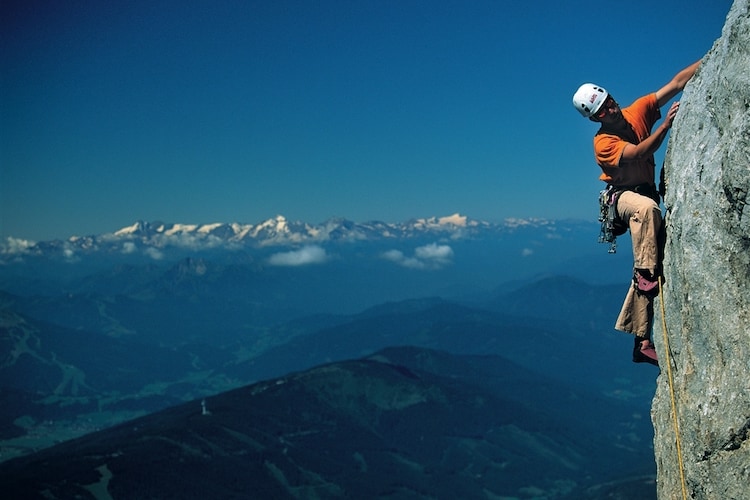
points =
(192, 241)
(434, 252)
(154, 253)
(16, 246)
(432, 256)
(527, 252)
(69, 252)
(394, 255)
(311, 254)
(399, 258)
(128, 247)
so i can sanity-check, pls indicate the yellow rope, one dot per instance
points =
(671, 390)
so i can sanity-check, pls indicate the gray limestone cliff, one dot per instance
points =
(707, 272)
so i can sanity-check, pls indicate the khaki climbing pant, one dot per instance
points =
(644, 219)
(637, 314)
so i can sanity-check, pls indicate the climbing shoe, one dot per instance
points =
(644, 352)
(646, 283)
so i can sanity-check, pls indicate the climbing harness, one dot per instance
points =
(671, 390)
(611, 225)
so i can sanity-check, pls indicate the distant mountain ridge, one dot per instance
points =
(274, 231)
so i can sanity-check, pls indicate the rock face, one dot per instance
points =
(707, 271)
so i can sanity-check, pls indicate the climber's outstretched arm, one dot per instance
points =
(675, 86)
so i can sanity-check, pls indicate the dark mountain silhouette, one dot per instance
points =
(563, 341)
(559, 296)
(403, 423)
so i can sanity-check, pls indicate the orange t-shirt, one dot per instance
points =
(641, 115)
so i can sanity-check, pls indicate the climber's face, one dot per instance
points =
(609, 112)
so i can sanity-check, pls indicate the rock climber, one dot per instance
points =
(624, 148)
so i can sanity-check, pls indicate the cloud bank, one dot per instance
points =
(432, 256)
(16, 246)
(311, 254)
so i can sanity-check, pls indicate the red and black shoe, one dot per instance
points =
(646, 283)
(644, 352)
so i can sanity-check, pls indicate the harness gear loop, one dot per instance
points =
(671, 390)
(611, 225)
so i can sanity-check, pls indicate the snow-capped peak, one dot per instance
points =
(128, 230)
(455, 220)
(278, 230)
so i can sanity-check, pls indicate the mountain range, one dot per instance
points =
(125, 326)
(433, 256)
(274, 231)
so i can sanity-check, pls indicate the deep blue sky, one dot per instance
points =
(236, 111)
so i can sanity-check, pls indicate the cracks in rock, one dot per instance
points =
(737, 198)
(733, 442)
(737, 438)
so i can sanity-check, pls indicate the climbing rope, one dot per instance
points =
(671, 389)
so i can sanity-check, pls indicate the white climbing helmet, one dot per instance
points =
(589, 98)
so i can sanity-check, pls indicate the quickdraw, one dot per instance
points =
(611, 226)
